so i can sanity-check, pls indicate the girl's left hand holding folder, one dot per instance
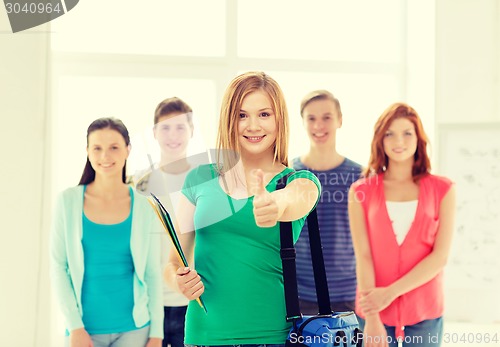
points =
(189, 283)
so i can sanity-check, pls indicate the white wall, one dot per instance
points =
(23, 247)
(467, 91)
(467, 61)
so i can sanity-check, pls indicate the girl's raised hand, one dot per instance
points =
(265, 207)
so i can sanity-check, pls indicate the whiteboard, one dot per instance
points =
(469, 154)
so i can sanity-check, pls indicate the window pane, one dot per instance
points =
(81, 100)
(360, 30)
(157, 27)
(362, 99)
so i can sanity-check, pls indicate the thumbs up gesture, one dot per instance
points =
(265, 207)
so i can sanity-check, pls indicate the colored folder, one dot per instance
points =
(166, 221)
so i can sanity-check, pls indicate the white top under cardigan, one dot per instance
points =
(67, 266)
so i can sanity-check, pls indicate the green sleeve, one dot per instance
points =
(195, 178)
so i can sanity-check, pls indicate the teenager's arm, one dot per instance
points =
(374, 329)
(365, 272)
(297, 199)
(59, 267)
(184, 280)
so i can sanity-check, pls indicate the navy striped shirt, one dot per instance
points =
(336, 239)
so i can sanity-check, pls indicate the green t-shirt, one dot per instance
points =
(239, 264)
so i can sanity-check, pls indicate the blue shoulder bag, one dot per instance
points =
(327, 328)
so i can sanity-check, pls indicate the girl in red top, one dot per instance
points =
(401, 219)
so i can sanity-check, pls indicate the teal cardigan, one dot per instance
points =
(67, 267)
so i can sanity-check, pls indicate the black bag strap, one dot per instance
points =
(288, 256)
(320, 280)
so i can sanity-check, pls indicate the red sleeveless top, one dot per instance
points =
(392, 261)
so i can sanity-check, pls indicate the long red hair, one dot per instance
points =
(378, 159)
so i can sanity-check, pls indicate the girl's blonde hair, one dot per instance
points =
(228, 147)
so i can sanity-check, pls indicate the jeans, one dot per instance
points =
(264, 345)
(427, 333)
(134, 338)
(173, 326)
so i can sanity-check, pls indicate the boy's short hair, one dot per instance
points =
(320, 94)
(172, 105)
